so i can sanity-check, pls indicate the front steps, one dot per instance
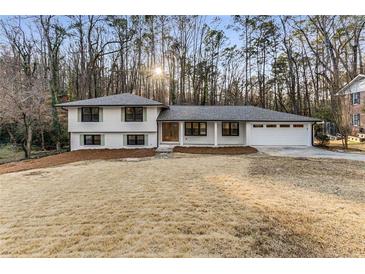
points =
(165, 149)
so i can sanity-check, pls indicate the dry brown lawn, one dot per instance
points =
(186, 206)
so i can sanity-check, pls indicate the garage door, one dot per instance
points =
(280, 134)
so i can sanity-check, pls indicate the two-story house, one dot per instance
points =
(353, 102)
(130, 121)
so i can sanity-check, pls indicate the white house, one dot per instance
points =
(130, 121)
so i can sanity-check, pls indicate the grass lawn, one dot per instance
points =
(8, 154)
(351, 144)
(186, 206)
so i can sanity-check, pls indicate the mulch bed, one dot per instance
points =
(75, 156)
(216, 150)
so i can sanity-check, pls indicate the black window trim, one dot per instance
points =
(230, 129)
(192, 132)
(93, 139)
(134, 115)
(135, 139)
(91, 115)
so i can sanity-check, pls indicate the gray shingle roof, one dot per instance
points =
(228, 113)
(124, 99)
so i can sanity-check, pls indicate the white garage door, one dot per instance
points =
(280, 134)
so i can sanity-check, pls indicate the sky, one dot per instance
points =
(222, 24)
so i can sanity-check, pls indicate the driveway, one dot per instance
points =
(309, 152)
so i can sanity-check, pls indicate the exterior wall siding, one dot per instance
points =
(111, 140)
(112, 121)
(232, 140)
(201, 140)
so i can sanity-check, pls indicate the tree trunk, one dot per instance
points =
(27, 143)
(42, 140)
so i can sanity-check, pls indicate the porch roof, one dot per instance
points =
(228, 113)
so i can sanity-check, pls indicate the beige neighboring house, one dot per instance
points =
(129, 121)
(353, 100)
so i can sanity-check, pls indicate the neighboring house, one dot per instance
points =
(353, 102)
(126, 120)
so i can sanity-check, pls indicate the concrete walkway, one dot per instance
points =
(309, 152)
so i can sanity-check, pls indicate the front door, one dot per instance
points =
(170, 132)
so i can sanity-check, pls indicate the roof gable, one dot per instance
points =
(123, 99)
(358, 83)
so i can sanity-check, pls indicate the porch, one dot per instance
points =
(201, 133)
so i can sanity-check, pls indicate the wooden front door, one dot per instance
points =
(170, 132)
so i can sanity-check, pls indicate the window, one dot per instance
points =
(270, 125)
(258, 125)
(298, 125)
(356, 119)
(195, 129)
(284, 125)
(135, 140)
(134, 114)
(92, 140)
(90, 114)
(355, 98)
(230, 129)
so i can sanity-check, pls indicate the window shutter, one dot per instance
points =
(79, 115)
(146, 139)
(100, 114)
(102, 139)
(124, 139)
(81, 139)
(122, 114)
(144, 114)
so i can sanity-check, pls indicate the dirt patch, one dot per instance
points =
(216, 150)
(75, 156)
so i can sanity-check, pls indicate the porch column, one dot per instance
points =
(181, 133)
(215, 133)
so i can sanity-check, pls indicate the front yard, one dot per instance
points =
(354, 146)
(186, 206)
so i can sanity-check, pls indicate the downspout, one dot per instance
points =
(313, 133)
(158, 135)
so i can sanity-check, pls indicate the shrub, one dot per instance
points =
(323, 139)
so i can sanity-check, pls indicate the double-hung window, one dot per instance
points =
(134, 114)
(195, 129)
(230, 129)
(90, 114)
(135, 140)
(92, 140)
(355, 98)
(356, 119)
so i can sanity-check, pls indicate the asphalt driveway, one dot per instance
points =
(309, 152)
